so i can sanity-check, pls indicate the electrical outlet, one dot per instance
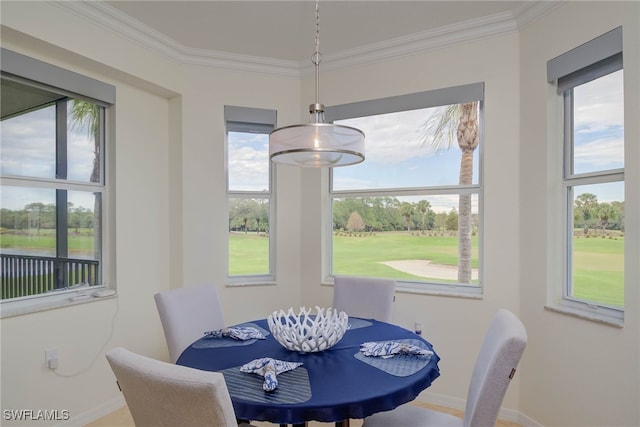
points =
(51, 358)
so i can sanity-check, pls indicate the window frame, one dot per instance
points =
(592, 60)
(29, 71)
(420, 100)
(261, 121)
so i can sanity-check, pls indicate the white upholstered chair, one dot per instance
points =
(499, 355)
(161, 394)
(186, 313)
(364, 297)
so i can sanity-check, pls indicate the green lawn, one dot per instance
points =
(362, 255)
(249, 254)
(598, 262)
(598, 272)
(79, 242)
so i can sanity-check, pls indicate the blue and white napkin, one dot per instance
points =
(387, 349)
(241, 333)
(269, 368)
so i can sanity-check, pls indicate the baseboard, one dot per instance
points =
(426, 397)
(527, 421)
(95, 413)
(457, 403)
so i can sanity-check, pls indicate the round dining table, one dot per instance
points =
(333, 385)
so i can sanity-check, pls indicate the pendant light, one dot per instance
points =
(317, 143)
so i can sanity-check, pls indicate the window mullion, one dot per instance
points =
(568, 133)
(61, 139)
(62, 241)
(595, 178)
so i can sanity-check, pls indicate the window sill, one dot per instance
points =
(242, 284)
(49, 302)
(453, 291)
(444, 290)
(582, 314)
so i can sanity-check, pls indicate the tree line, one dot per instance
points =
(390, 214)
(43, 216)
(353, 214)
(588, 213)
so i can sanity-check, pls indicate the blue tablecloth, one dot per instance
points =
(333, 385)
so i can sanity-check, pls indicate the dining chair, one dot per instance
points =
(495, 366)
(364, 297)
(161, 394)
(186, 314)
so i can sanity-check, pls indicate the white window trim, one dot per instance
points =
(438, 97)
(558, 232)
(76, 85)
(247, 119)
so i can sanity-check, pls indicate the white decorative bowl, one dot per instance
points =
(306, 332)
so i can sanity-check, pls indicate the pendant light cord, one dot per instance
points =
(317, 54)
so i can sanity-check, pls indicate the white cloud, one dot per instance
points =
(600, 154)
(248, 162)
(599, 103)
(385, 133)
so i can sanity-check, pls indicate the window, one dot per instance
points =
(412, 210)
(590, 84)
(53, 184)
(249, 194)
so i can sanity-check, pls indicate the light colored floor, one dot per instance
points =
(122, 418)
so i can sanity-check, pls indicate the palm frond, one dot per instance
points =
(84, 114)
(439, 130)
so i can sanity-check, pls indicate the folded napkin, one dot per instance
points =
(269, 368)
(386, 349)
(241, 333)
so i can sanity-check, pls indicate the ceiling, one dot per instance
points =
(285, 30)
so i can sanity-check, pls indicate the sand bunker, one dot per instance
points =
(425, 268)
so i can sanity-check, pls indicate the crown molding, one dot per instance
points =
(105, 16)
(438, 38)
(531, 11)
(113, 20)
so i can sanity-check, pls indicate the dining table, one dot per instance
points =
(332, 385)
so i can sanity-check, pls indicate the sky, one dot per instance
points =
(599, 133)
(27, 148)
(394, 155)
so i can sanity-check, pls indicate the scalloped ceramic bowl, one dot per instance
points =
(305, 332)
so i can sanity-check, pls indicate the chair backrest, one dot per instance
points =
(186, 313)
(364, 297)
(499, 355)
(161, 394)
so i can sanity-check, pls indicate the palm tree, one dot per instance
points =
(606, 212)
(406, 210)
(86, 115)
(463, 118)
(585, 207)
(423, 207)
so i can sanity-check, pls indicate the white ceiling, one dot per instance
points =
(285, 30)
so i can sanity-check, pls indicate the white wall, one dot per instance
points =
(171, 214)
(455, 326)
(170, 208)
(82, 332)
(204, 212)
(575, 372)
